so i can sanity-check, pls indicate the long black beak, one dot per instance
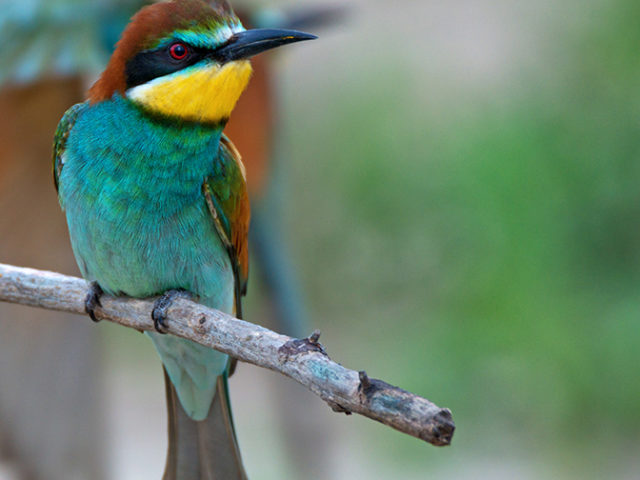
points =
(251, 42)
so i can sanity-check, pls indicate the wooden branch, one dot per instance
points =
(304, 360)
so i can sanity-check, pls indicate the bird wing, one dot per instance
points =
(61, 136)
(228, 202)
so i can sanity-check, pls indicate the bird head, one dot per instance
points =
(186, 59)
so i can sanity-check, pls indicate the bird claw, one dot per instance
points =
(92, 300)
(161, 308)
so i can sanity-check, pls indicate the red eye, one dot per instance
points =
(178, 51)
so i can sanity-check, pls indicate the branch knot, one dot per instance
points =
(299, 346)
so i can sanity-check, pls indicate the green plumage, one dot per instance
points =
(156, 201)
(132, 188)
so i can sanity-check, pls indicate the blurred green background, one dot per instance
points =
(467, 223)
(459, 183)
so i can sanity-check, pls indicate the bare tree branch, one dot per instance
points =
(304, 360)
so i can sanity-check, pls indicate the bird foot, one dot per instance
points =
(162, 305)
(92, 300)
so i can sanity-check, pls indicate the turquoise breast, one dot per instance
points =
(131, 188)
(139, 225)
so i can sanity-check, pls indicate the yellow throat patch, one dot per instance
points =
(201, 93)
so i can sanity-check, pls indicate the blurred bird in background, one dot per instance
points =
(50, 378)
(65, 42)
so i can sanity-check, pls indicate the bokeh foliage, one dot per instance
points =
(488, 256)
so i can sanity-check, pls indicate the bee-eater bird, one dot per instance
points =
(156, 203)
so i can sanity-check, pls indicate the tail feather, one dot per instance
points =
(202, 450)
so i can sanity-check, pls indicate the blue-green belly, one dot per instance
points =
(139, 225)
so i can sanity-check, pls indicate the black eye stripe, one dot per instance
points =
(150, 64)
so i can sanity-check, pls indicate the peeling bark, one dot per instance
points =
(304, 360)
